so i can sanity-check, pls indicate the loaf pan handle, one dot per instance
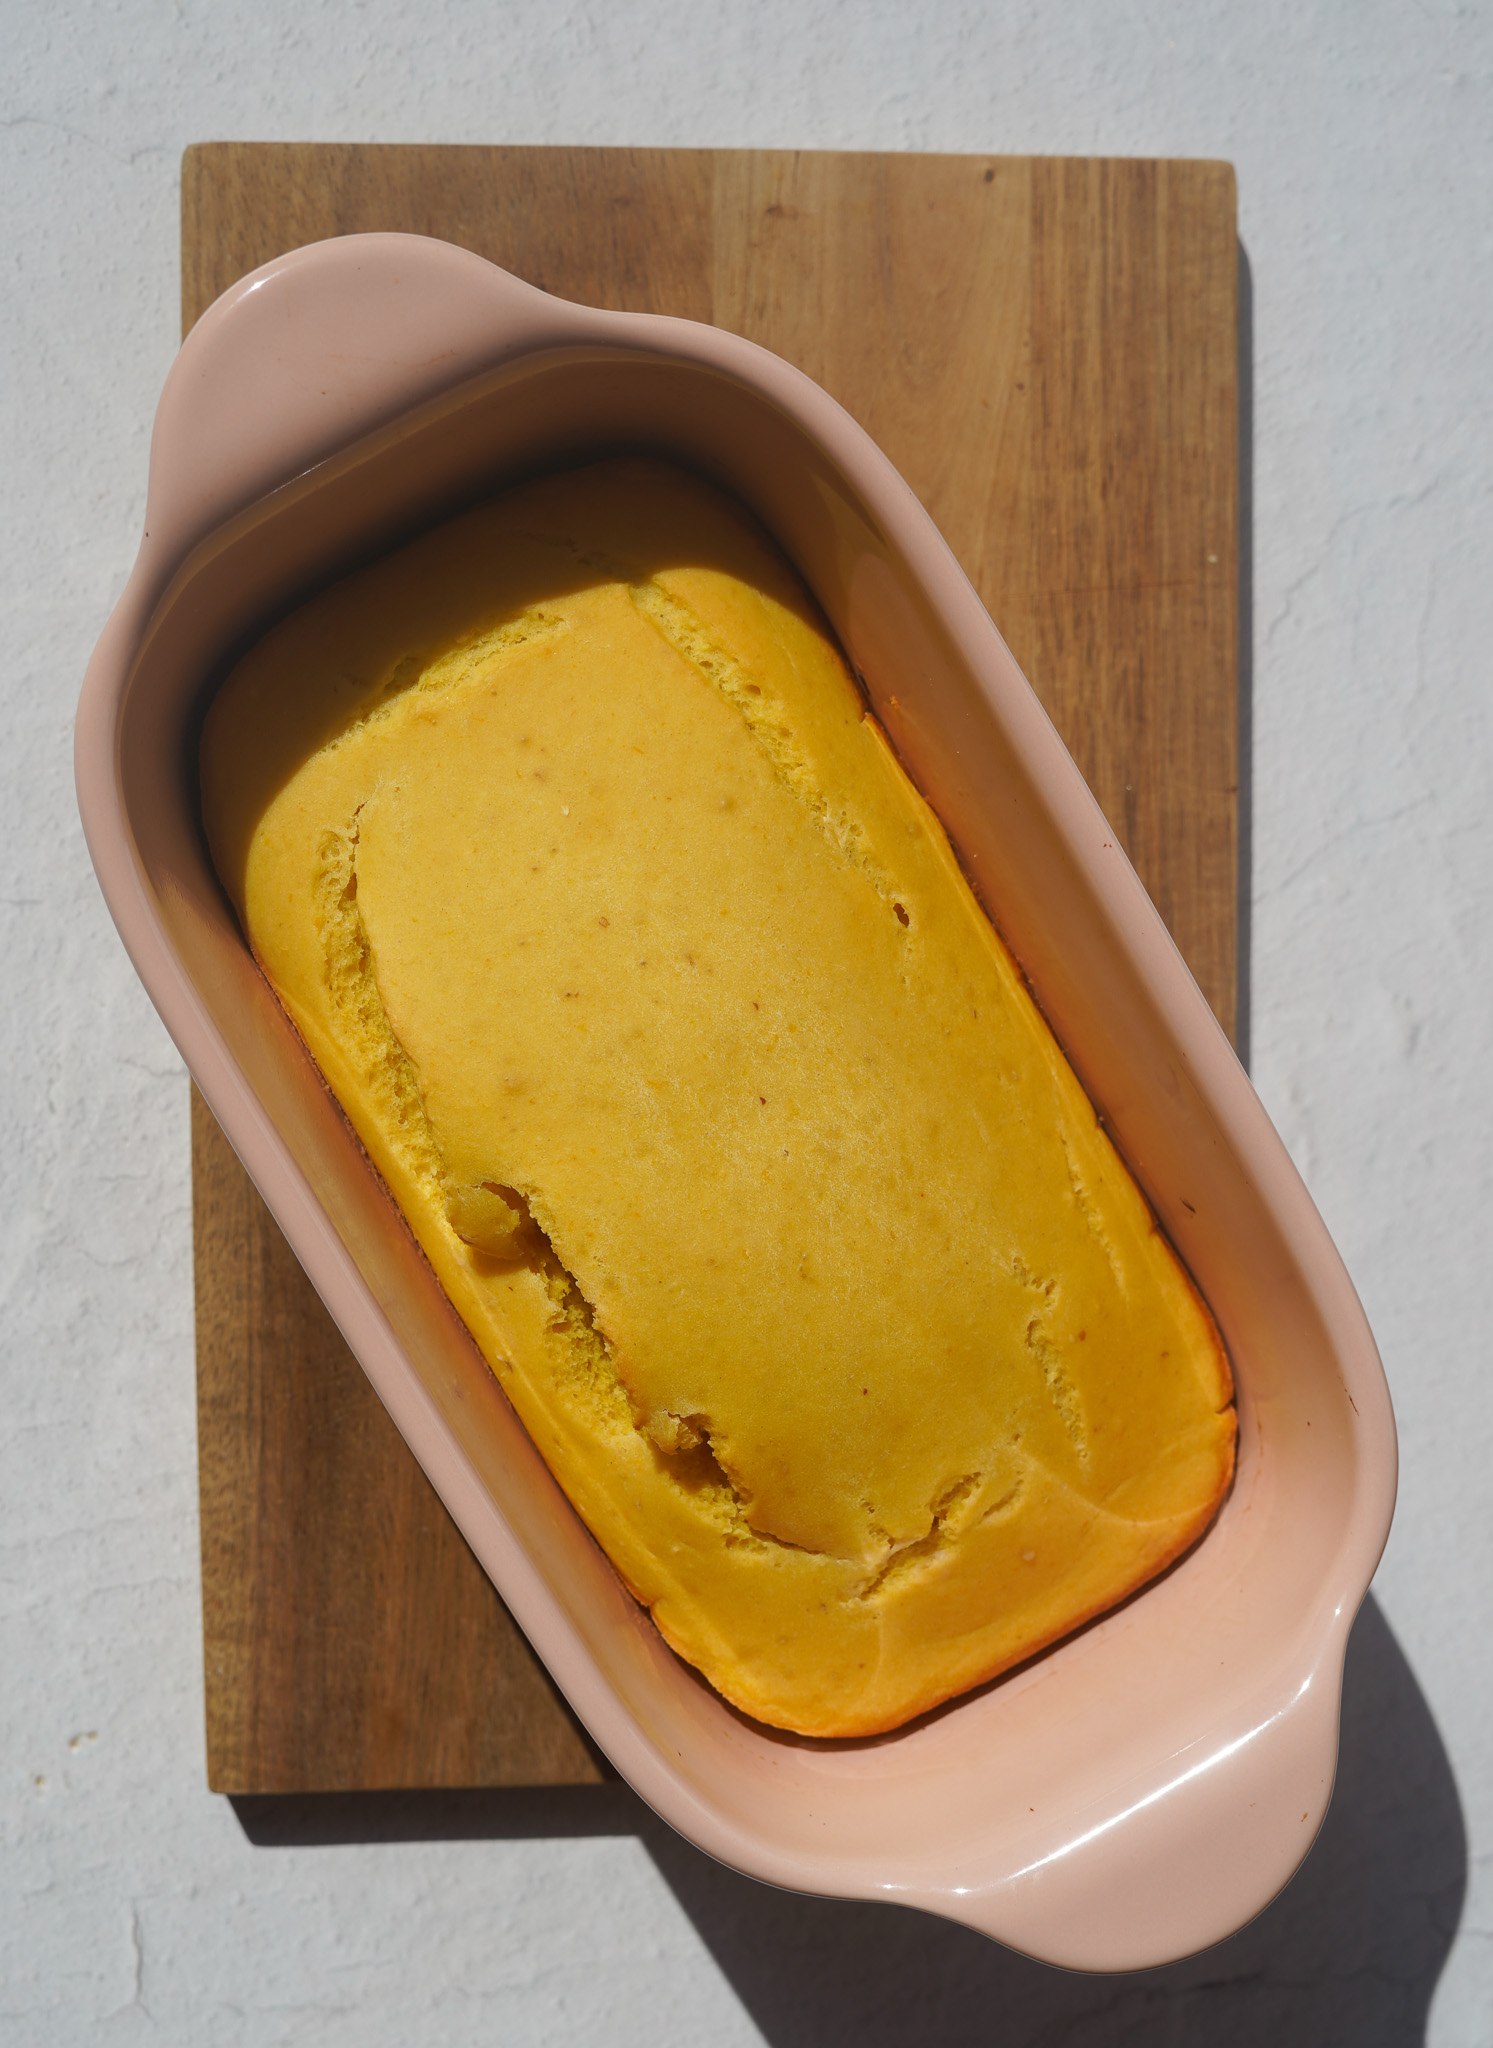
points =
(311, 352)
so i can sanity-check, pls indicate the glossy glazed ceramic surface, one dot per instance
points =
(1143, 1789)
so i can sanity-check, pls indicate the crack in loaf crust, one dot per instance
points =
(659, 1000)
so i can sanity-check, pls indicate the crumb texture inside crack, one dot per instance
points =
(660, 1002)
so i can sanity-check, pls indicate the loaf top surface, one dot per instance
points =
(659, 998)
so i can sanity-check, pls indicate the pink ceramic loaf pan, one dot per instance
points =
(1146, 1787)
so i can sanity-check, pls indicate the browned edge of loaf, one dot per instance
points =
(1047, 350)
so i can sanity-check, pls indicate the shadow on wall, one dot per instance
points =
(1347, 1957)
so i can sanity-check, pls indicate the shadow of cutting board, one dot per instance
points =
(1047, 349)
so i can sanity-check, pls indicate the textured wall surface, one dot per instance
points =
(133, 1904)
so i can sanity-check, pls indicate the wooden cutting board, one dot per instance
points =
(1047, 349)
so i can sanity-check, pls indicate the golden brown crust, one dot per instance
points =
(658, 998)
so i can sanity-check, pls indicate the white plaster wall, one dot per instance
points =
(131, 1904)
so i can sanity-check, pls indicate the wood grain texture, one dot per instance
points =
(351, 1640)
(1047, 350)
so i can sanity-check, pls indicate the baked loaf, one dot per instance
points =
(660, 1002)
